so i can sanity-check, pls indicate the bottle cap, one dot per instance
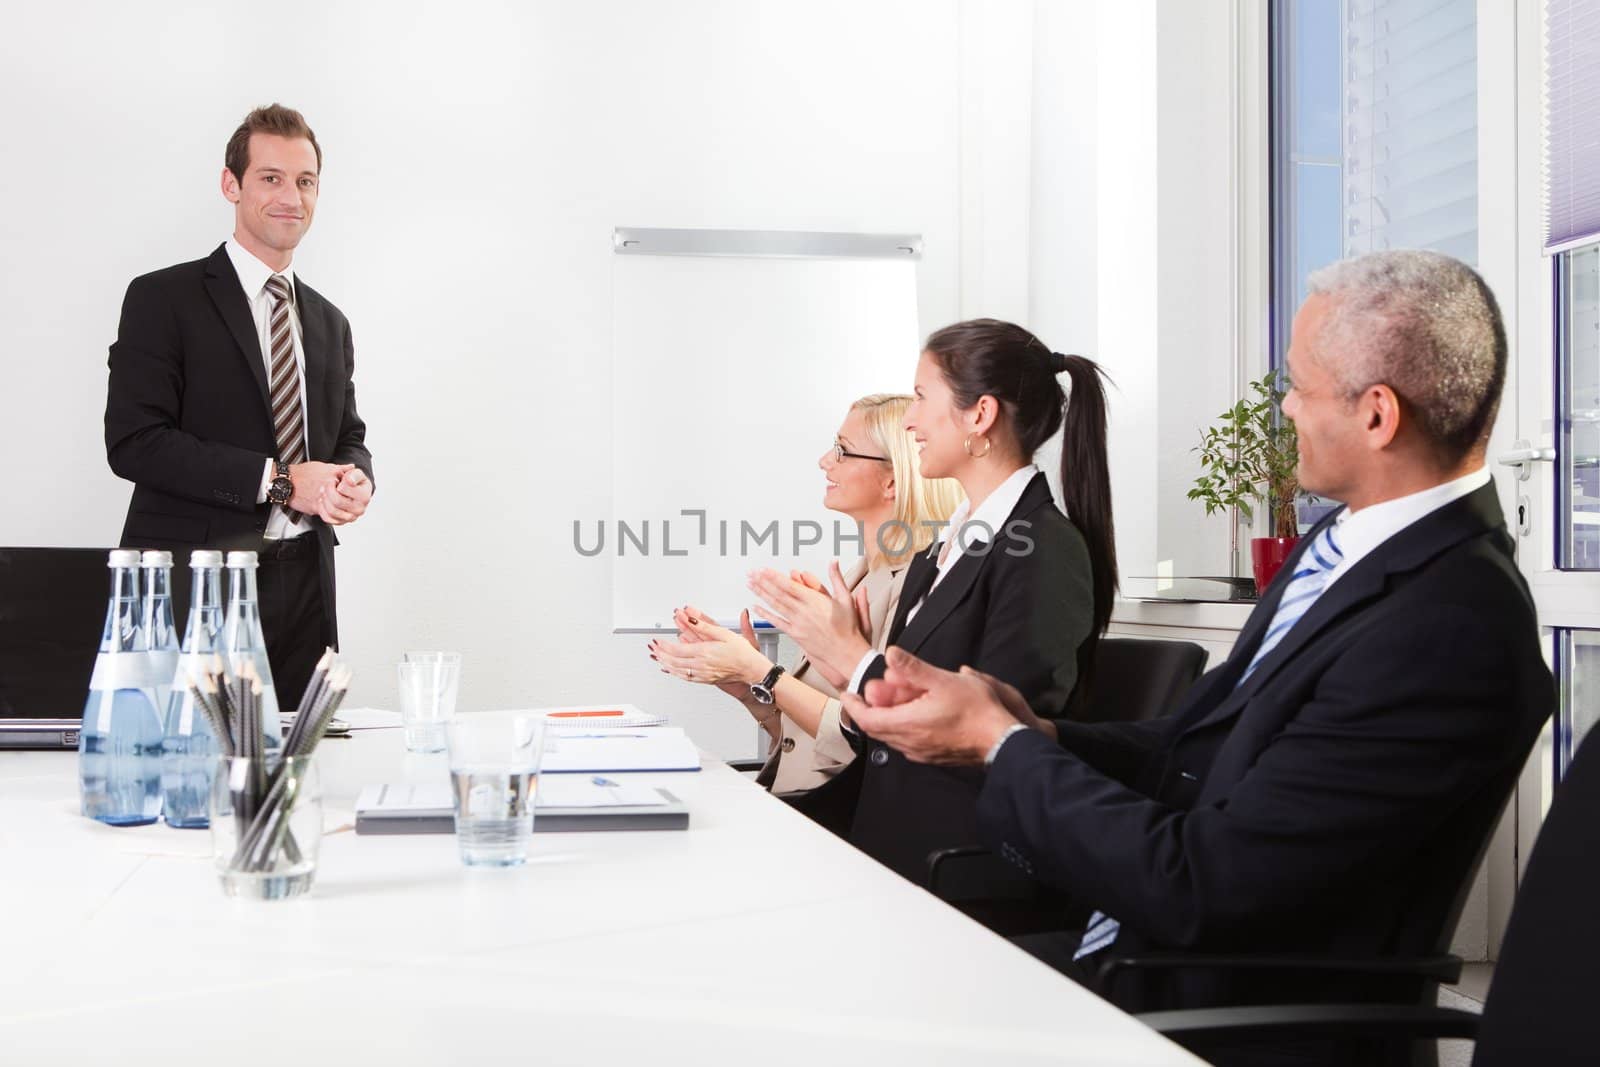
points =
(205, 557)
(123, 557)
(241, 559)
(154, 558)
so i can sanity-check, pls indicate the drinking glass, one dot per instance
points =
(429, 682)
(494, 770)
(266, 849)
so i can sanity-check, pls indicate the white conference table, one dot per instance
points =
(752, 936)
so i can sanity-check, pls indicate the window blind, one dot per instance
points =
(1410, 126)
(1571, 124)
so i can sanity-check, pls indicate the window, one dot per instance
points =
(1577, 671)
(1577, 496)
(1374, 136)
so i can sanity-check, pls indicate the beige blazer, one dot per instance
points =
(799, 762)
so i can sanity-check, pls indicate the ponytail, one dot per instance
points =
(1086, 478)
(986, 357)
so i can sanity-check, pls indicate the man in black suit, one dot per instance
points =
(230, 404)
(1357, 746)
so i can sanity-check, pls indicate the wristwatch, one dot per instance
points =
(762, 690)
(281, 488)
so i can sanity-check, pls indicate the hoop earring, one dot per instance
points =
(967, 444)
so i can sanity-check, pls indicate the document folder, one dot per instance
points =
(426, 809)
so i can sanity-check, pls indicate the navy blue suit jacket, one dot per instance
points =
(1336, 800)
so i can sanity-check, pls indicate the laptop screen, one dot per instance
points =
(52, 610)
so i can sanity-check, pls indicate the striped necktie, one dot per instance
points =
(1305, 586)
(288, 421)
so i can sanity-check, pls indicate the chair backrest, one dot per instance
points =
(1538, 1007)
(1137, 678)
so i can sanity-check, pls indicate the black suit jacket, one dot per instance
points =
(187, 415)
(1022, 611)
(1334, 802)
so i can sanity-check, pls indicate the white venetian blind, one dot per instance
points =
(1571, 123)
(1411, 126)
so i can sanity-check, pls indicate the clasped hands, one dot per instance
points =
(336, 493)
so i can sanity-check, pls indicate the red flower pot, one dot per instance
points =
(1266, 557)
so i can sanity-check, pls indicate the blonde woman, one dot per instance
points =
(872, 477)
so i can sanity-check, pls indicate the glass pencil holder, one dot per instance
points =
(266, 826)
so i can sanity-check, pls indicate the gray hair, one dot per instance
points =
(1426, 326)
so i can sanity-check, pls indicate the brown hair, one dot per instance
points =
(985, 357)
(274, 119)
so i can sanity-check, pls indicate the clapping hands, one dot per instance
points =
(831, 624)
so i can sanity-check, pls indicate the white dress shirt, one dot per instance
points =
(1362, 531)
(253, 275)
(967, 528)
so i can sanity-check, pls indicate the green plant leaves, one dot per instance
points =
(1249, 457)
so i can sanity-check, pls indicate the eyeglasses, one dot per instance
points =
(840, 455)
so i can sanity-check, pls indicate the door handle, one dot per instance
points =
(1522, 456)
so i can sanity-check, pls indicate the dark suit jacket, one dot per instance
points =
(187, 416)
(1333, 803)
(1021, 611)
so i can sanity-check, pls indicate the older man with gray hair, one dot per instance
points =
(1329, 788)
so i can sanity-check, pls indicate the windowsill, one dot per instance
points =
(1188, 614)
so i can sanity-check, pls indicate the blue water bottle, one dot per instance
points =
(189, 748)
(155, 621)
(119, 747)
(243, 642)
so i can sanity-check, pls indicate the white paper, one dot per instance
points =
(434, 796)
(660, 748)
(581, 791)
(575, 716)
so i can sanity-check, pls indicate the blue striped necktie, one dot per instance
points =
(1309, 580)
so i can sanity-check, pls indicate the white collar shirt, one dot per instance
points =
(965, 529)
(968, 528)
(1362, 531)
(253, 275)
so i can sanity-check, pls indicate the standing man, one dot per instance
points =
(231, 405)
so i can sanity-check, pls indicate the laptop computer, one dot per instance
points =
(52, 610)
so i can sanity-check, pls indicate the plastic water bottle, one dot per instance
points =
(188, 748)
(119, 747)
(155, 620)
(242, 641)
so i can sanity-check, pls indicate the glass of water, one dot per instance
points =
(494, 770)
(429, 682)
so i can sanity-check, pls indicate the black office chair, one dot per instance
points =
(1137, 678)
(1538, 1004)
(1134, 679)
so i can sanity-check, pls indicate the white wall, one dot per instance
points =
(477, 157)
(1133, 232)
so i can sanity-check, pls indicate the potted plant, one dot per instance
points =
(1248, 458)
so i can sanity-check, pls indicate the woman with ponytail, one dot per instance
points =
(1012, 588)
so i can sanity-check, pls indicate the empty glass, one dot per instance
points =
(429, 682)
(494, 771)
